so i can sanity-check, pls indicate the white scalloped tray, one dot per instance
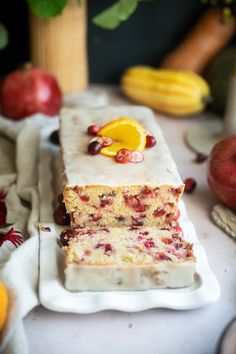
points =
(53, 294)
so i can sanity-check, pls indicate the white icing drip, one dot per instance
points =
(82, 169)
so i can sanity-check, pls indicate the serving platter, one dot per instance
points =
(53, 294)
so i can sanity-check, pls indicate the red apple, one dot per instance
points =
(222, 171)
(30, 90)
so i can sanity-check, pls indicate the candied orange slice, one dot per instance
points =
(126, 133)
(3, 305)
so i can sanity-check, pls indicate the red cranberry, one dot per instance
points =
(108, 247)
(177, 215)
(94, 148)
(95, 217)
(190, 185)
(54, 137)
(65, 236)
(150, 141)
(158, 213)
(162, 256)
(120, 218)
(85, 198)
(60, 216)
(123, 156)
(200, 158)
(93, 129)
(3, 213)
(167, 241)
(149, 244)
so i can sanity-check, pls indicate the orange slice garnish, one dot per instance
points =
(126, 133)
(3, 305)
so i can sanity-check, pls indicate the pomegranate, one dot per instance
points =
(30, 90)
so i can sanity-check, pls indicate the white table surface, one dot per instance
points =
(156, 331)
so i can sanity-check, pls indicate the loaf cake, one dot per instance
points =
(99, 192)
(128, 259)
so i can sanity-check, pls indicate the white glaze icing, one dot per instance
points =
(82, 169)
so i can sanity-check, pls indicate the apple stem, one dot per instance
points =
(229, 123)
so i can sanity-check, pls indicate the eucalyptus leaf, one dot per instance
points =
(47, 8)
(3, 36)
(112, 16)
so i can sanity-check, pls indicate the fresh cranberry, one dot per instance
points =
(65, 236)
(190, 185)
(54, 137)
(60, 216)
(3, 213)
(93, 129)
(149, 244)
(200, 158)
(136, 222)
(108, 247)
(136, 156)
(167, 240)
(150, 141)
(120, 218)
(176, 191)
(177, 215)
(95, 217)
(162, 256)
(94, 148)
(85, 198)
(123, 156)
(158, 213)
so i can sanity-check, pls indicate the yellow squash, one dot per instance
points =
(178, 93)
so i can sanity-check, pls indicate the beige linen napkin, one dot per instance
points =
(225, 218)
(19, 266)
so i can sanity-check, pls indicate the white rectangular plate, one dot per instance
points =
(53, 294)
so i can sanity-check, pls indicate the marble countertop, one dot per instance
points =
(159, 330)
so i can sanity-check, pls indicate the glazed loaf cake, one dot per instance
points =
(100, 192)
(128, 259)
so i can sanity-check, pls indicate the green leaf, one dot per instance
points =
(3, 36)
(112, 17)
(47, 8)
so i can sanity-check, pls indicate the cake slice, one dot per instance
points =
(100, 192)
(128, 259)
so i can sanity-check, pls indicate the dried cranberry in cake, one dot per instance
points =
(162, 256)
(108, 247)
(95, 217)
(190, 185)
(136, 156)
(60, 216)
(106, 199)
(177, 215)
(167, 240)
(178, 229)
(176, 191)
(133, 202)
(94, 148)
(123, 156)
(120, 218)
(149, 244)
(150, 141)
(158, 213)
(93, 129)
(65, 236)
(136, 221)
(85, 198)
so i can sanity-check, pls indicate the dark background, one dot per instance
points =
(154, 29)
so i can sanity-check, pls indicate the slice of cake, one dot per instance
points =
(127, 259)
(99, 191)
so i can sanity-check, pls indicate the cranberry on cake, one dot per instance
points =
(100, 190)
(127, 259)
